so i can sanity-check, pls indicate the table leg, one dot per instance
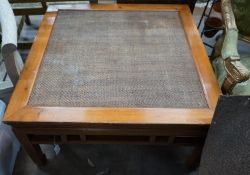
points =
(27, 20)
(33, 150)
(193, 161)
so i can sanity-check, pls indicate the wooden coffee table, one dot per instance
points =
(114, 74)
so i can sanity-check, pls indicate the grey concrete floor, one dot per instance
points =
(103, 159)
(107, 160)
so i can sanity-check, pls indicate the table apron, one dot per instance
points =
(192, 136)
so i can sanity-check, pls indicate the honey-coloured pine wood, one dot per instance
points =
(111, 125)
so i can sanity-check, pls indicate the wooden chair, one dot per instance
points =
(11, 62)
(36, 7)
(231, 67)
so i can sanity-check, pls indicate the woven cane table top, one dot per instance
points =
(118, 59)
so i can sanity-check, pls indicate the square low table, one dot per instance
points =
(114, 74)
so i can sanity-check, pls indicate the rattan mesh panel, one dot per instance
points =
(118, 59)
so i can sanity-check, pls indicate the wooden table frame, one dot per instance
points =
(35, 125)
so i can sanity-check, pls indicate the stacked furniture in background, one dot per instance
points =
(12, 61)
(25, 8)
(39, 7)
(210, 24)
(190, 3)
